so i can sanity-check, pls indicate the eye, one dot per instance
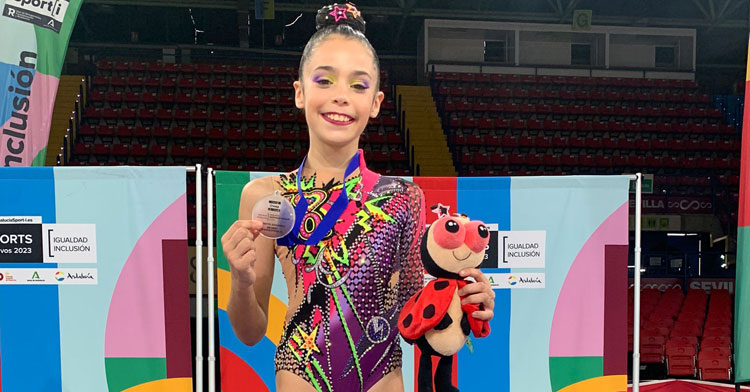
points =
(452, 226)
(323, 82)
(359, 86)
(483, 232)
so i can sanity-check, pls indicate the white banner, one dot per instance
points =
(517, 280)
(521, 249)
(48, 276)
(69, 243)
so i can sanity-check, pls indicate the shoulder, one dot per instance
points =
(403, 186)
(257, 188)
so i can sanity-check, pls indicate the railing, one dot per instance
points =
(74, 123)
(700, 264)
(593, 70)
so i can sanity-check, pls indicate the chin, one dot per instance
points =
(339, 138)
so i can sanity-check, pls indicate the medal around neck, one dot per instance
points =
(277, 215)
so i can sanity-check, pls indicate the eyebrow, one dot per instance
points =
(332, 69)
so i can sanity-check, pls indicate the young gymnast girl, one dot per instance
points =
(352, 260)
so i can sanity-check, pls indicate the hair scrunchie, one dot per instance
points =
(335, 14)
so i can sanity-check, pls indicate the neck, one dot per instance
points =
(328, 162)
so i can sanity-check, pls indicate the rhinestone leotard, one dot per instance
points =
(346, 292)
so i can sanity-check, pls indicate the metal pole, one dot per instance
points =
(211, 311)
(637, 288)
(198, 280)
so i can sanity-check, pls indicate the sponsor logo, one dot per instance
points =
(80, 276)
(19, 93)
(43, 13)
(516, 280)
(9, 277)
(2, 276)
(35, 277)
(60, 276)
(676, 204)
(712, 285)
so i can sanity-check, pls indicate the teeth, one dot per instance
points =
(338, 117)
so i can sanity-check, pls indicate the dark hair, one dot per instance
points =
(343, 20)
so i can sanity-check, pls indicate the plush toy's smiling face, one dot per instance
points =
(455, 242)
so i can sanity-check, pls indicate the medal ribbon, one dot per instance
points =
(330, 218)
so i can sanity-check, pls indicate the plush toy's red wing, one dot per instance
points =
(426, 308)
(480, 328)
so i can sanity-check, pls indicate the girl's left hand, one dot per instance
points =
(478, 292)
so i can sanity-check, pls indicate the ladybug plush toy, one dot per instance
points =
(434, 317)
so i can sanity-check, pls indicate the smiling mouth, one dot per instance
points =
(338, 119)
(459, 258)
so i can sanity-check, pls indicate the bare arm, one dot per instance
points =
(251, 260)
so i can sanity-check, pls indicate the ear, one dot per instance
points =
(299, 95)
(379, 96)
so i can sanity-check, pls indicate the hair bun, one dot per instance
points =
(335, 14)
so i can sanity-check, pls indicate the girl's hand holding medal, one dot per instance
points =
(239, 247)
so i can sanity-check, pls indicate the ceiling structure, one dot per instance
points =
(394, 25)
(667, 13)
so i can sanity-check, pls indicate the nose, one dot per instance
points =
(340, 94)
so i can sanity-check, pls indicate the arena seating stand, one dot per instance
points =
(225, 116)
(235, 117)
(690, 336)
(551, 125)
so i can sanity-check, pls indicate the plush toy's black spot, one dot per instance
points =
(452, 226)
(429, 311)
(465, 326)
(481, 306)
(441, 285)
(444, 323)
(407, 321)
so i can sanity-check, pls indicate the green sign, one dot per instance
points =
(647, 184)
(582, 19)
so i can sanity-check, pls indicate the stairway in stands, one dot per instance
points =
(431, 151)
(67, 94)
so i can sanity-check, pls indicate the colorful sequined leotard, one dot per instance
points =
(346, 292)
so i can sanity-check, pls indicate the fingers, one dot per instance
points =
(245, 245)
(480, 298)
(477, 287)
(479, 292)
(483, 315)
(475, 273)
(249, 224)
(240, 229)
(248, 258)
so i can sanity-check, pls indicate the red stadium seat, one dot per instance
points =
(715, 369)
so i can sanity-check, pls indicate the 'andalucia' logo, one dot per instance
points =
(35, 277)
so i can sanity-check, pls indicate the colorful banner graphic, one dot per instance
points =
(119, 323)
(560, 316)
(742, 294)
(35, 38)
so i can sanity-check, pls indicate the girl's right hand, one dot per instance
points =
(238, 244)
